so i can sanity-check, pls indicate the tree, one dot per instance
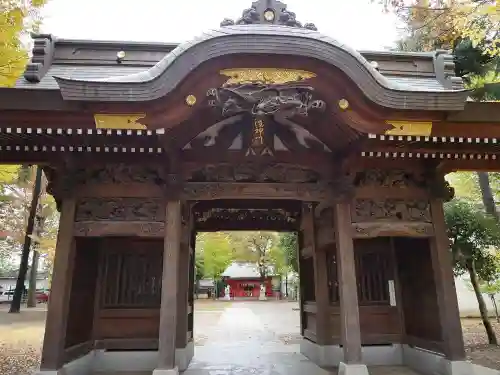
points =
(17, 18)
(256, 247)
(23, 267)
(472, 234)
(491, 288)
(215, 252)
(288, 242)
(444, 22)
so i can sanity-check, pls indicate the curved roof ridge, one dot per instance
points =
(164, 77)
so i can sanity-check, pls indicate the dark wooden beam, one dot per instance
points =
(449, 317)
(168, 309)
(240, 190)
(350, 330)
(57, 314)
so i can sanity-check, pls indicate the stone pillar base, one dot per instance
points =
(458, 368)
(183, 356)
(172, 371)
(349, 369)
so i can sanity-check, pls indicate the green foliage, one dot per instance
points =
(214, 252)
(472, 235)
(466, 186)
(490, 288)
(257, 247)
(288, 243)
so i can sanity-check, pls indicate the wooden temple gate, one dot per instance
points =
(268, 125)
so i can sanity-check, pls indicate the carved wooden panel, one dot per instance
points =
(216, 190)
(397, 210)
(392, 178)
(120, 209)
(253, 172)
(391, 217)
(392, 229)
(240, 218)
(118, 228)
(118, 174)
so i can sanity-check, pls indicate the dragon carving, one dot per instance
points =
(259, 99)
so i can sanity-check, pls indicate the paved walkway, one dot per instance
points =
(248, 339)
(240, 344)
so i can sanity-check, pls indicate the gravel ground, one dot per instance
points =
(478, 350)
(21, 337)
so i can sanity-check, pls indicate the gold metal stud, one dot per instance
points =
(343, 104)
(190, 100)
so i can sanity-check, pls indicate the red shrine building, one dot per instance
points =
(263, 124)
(245, 281)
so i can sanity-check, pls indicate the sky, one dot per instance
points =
(361, 24)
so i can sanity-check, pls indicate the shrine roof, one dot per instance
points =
(241, 270)
(117, 72)
(89, 60)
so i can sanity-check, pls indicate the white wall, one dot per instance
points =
(467, 302)
(8, 284)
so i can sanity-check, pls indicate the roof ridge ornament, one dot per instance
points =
(268, 12)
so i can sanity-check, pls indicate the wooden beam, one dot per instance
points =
(350, 331)
(57, 314)
(119, 228)
(445, 286)
(391, 229)
(323, 332)
(183, 286)
(240, 190)
(168, 309)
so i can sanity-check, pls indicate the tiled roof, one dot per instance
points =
(90, 60)
(239, 270)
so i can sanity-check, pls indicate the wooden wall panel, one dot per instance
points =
(81, 304)
(418, 289)
(379, 324)
(127, 324)
(130, 274)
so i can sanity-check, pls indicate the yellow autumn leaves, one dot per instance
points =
(17, 17)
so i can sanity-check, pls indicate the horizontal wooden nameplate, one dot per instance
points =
(239, 190)
(402, 229)
(119, 228)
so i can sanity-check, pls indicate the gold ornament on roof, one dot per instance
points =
(343, 104)
(119, 121)
(190, 100)
(415, 128)
(265, 75)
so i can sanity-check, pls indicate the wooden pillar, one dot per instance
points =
(183, 286)
(168, 309)
(302, 281)
(57, 313)
(349, 311)
(445, 286)
(323, 334)
(192, 279)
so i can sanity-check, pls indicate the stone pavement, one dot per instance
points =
(248, 340)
